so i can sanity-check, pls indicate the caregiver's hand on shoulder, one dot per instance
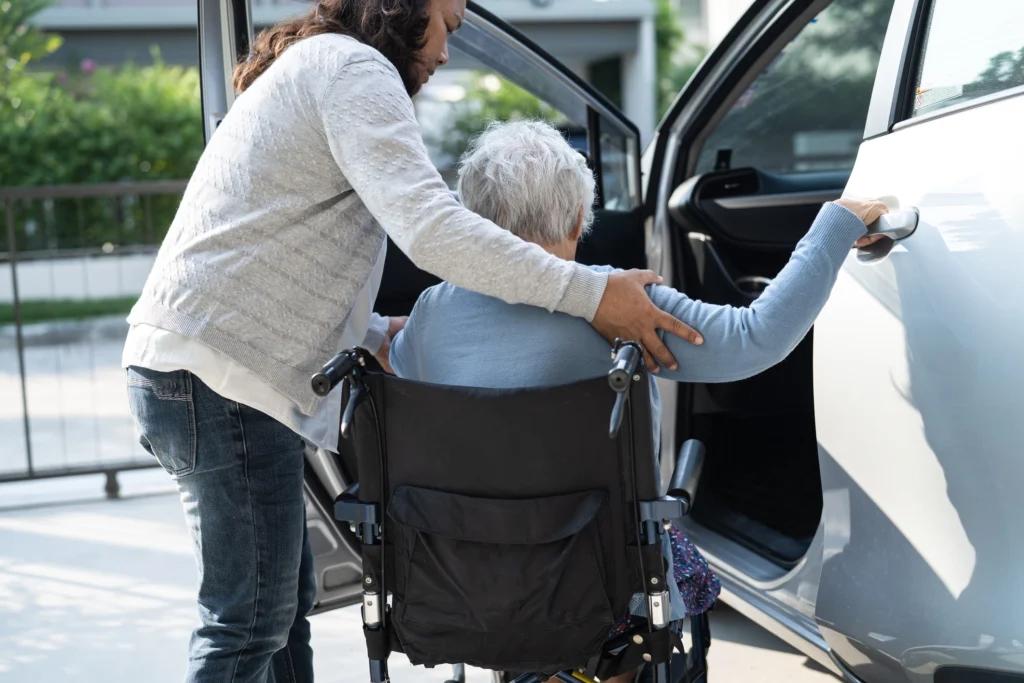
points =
(627, 312)
(395, 325)
(867, 211)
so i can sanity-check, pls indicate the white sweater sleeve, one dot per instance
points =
(373, 133)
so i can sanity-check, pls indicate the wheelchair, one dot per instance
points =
(511, 528)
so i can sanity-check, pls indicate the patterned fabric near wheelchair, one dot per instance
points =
(698, 585)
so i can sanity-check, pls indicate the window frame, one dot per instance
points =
(600, 111)
(891, 108)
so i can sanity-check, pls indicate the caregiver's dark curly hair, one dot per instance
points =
(394, 27)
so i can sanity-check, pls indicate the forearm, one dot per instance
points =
(742, 342)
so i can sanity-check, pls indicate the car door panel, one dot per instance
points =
(732, 207)
(336, 557)
(749, 209)
(922, 435)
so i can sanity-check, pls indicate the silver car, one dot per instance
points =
(864, 499)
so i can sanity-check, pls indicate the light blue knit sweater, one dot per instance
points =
(458, 337)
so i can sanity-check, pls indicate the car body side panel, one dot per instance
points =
(919, 403)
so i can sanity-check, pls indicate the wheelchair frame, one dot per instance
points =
(626, 652)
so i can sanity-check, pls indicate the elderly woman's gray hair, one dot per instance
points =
(525, 177)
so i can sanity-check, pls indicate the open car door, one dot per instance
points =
(920, 439)
(765, 132)
(488, 45)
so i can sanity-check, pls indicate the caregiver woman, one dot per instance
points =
(272, 265)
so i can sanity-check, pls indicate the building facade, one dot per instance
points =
(580, 33)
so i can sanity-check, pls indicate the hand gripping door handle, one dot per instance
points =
(897, 225)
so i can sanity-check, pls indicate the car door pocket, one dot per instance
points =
(752, 286)
(719, 283)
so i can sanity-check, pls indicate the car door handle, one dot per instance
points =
(896, 225)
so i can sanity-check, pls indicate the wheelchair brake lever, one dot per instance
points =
(626, 357)
(356, 395)
(618, 410)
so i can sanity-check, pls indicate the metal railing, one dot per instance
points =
(77, 256)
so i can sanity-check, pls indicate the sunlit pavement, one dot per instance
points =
(96, 590)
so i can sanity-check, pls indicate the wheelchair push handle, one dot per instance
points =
(335, 370)
(627, 357)
(689, 465)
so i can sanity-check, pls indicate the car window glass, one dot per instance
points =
(806, 111)
(484, 46)
(462, 100)
(618, 169)
(459, 103)
(971, 49)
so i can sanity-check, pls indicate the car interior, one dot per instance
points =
(761, 486)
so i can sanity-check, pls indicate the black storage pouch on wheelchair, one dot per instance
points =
(500, 583)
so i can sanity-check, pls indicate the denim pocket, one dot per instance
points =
(164, 412)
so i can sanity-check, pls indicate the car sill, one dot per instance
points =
(793, 632)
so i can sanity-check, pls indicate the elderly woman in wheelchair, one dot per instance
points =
(523, 482)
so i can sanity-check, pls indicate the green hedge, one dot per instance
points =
(132, 123)
(98, 125)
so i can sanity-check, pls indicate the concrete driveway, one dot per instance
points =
(97, 590)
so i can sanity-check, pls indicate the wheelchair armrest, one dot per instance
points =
(686, 477)
(682, 490)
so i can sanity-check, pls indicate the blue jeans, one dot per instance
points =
(239, 474)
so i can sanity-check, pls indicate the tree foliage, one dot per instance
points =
(677, 59)
(489, 98)
(92, 125)
(20, 41)
(821, 82)
(132, 123)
